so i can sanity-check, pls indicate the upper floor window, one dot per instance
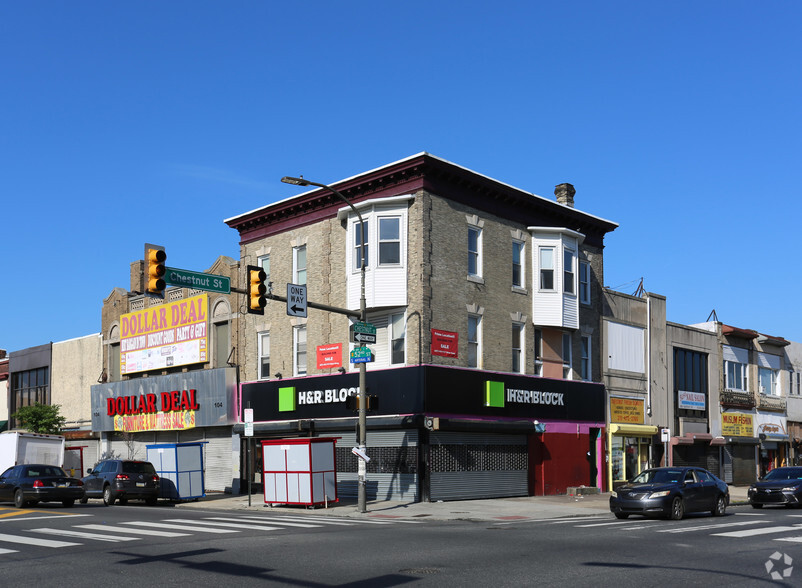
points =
(517, 347)
(585, 365)
(389, 240)
(767, 380)
(264, 263)
(584, 282)
(538, 352)
(264, 355)
(474, 251)
(397, 339)
(299, 265)
(546, 268)
(567, 356)
(299, 350)
(517, 264)
(359, 243)
(474, 340)
(690, 375)
(568, 271)
(735, 376)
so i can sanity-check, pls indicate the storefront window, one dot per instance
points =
(617, 457)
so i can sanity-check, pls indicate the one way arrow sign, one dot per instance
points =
(296, 300)
(364, 338)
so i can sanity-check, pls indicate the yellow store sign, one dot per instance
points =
(737, 424)
(626, 410)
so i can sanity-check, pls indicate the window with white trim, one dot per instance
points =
(389, 240)
(299, 265)
(767, 380)
(397, 339)
(264, 262)
(568, 272)
(567, 353)
(474, 340)
(517, 347)
(584, 282)
(538, 352)
(264, 355)
(358, 244)
(546, 257)
(299, 350)
(586, 373)
(736, 360)
(474, 251)
(517, 264)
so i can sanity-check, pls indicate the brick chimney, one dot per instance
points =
(565, 194)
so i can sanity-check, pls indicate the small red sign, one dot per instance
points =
(444, 343)
(329, 356)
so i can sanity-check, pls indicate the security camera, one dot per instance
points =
(360, 454)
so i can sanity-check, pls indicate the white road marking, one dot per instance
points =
(179, 527)
(212, 522)
(754, 532)
(84, 535)
(34, 541)
(150, 532)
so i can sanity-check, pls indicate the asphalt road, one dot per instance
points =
(137, 545)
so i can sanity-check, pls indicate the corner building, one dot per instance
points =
(486, 305)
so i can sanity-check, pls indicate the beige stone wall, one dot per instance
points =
(76, 365)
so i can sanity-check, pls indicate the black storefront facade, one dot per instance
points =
(443, 433)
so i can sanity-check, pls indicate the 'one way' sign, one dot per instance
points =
(296, 300)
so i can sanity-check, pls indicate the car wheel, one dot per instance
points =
(757, 505)
(68, 502)
(622, 515)
(122, 500)
(84, 500)
(19, 499)
(108, 499)
(150, 501)
(677, 509)
(720, 507)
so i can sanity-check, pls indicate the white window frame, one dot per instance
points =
(518, 334)
(764, 373)
(546, 269)
(567, 355)
(383, 240)
(586, 364)
(299, 266)
(739, 371)
(569, 271)
(263, 339)
(263, 261)
(397, 336)
(584, 282)
(475, 343)
(300, 354)
(538, 352)
(519, 249)
(475, 256)
(358, 247)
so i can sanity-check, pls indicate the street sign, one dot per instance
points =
(197, 280)
(361, 355)
(296, 300)
(364, 328)
(361, 333)
(248, 413)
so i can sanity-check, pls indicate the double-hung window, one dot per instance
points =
(517, 264)
(567, 353)
(546, 268)
(538, 352)
(517, 347)
(767, 380)
(389, 240)
(299, 265)
(584, 282)
(264, 263)
(474, 340)
(585, 366)
(360, 245)
(299, 350)
(397, 339)
(474, 251)
(568, 272)
(264, 355)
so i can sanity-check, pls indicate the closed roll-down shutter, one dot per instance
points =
(743, 464)
(392, 473)
(473, 465)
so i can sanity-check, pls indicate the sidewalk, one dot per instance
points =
(492, 509)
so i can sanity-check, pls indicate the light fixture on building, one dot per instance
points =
(278, 375)
(341, 370)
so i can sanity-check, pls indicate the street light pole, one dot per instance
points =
(363, 311)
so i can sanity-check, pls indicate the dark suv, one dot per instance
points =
(121, 479)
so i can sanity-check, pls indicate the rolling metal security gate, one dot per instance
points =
(466, 466)
(392, 473)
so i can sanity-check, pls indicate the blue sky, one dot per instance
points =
(125, 123)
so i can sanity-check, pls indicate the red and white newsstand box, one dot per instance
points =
(299, 471)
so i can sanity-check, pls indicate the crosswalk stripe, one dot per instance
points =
(708, 527)
(84, 535)
(320, 520)
(754, 532)
(790, 539)
(149, 532)
(325, 520)
(215, 523)
(179, 527)
(35, 541)
(258, 524)
(2, 551)
(614, 523)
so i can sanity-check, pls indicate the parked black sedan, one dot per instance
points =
(781, 486)
(33, 483)
(671, 492)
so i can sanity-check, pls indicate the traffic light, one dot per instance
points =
(154, 269)
(256, 290)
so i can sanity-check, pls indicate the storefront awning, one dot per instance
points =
(635, 430)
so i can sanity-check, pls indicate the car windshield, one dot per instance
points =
(784, 474)
(36, 471)
(138, 467)
(658, 477)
